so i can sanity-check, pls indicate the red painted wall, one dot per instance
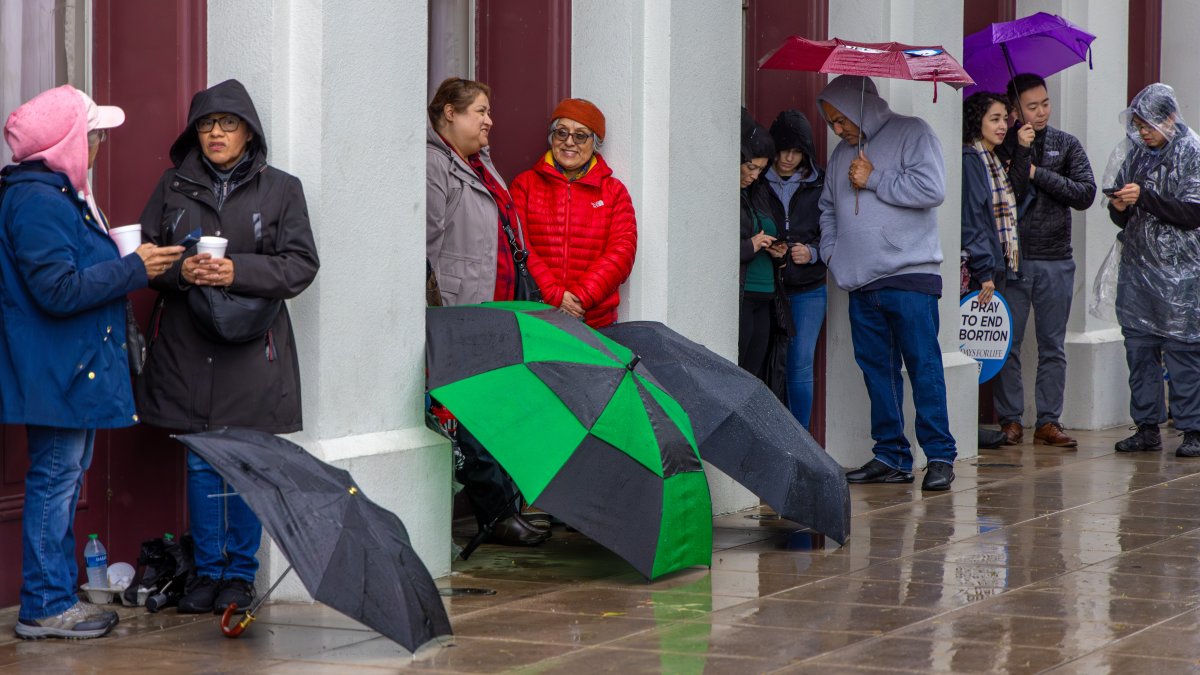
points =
(149, 57)
(767, 92)
(1145, 44)
(523, 52)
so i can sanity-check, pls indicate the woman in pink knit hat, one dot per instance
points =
(62, 337)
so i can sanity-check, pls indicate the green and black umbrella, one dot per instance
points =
(583, 429)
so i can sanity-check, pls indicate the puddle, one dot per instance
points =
(802, 540)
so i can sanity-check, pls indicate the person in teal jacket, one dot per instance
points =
(64, 371)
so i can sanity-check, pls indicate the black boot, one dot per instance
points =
(1190, 446)
(1147, 439)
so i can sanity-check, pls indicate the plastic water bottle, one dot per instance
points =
(96, 559)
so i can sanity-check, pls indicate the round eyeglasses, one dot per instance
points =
(561, 135)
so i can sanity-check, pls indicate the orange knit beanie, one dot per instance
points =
(583, 111)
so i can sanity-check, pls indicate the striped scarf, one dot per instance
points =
(1004, 206)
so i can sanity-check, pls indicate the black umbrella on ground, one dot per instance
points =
(743, 429)
(349, 552)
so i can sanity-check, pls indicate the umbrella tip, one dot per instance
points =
(633, 362)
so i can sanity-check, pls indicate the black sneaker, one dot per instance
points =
(1190, 446)
(80, 622)
(1146, 439)
(876, 471)
(200, 595)
(938, 476)
(233, 592)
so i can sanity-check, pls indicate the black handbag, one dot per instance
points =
(135, 341)
(527, 288)
(221, 316)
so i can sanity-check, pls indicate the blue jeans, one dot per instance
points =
(888, 326)
(225, 531)
(59, 458)
(808, 315)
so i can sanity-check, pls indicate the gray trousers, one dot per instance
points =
(1146, 355)
(1047, 287)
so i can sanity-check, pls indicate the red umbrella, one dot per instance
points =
(871, 59)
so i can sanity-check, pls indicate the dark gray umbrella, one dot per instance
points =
(349, 552)
(743, 429)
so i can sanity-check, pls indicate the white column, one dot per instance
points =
(667, 75)
(847, 430)
(1086, 104)
(340, 88)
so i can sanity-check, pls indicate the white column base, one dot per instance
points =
(407, 471)
(727, 494)
(1097, 394)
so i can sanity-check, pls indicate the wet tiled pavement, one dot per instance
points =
(1039, 560)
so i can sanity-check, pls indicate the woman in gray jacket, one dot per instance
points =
(468, 210)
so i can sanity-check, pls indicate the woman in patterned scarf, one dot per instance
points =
(991, 249)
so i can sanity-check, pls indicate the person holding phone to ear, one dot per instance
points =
(1059, 179)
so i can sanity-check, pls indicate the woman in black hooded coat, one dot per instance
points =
(192, 381)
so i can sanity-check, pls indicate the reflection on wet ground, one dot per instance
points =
(1039, 560)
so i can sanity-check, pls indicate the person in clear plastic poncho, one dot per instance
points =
(1157, 205)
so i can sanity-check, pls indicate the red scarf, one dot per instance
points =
(506, 270)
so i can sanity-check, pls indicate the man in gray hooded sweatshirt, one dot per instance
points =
(880, 241)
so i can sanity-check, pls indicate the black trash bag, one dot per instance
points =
(163, 567)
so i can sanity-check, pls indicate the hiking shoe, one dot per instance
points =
(1190, 446)
(200, 595)
(1146, 439)
(77, 623)
(233, 592)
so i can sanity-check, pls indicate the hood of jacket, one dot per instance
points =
(229, 96)
(858, 99)
(791, 129)
(52, 127)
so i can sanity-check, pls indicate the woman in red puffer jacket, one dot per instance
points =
(579, 219)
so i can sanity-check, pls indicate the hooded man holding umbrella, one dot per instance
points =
(879, 237)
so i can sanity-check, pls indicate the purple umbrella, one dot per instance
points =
(1042, 44)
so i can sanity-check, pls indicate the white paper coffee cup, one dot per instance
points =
(127, 237)
(214, 246)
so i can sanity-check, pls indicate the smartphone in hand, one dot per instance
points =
(190, 239)
(1110, 192)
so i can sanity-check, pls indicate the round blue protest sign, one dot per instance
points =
(985, 333)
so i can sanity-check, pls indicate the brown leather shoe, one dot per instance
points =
(1051, 433)
(514, 531)
(1014, 433)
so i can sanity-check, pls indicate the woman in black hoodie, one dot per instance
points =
(792, 191)
(195, 380)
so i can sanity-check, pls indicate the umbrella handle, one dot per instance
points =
(237, 629)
